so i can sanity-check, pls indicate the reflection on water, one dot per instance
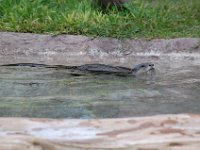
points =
(55, 93)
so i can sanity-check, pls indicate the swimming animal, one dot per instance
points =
(143, 68)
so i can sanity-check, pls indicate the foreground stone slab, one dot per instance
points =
(174, 132)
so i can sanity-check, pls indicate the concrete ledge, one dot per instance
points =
(68, 49)
(164, 132)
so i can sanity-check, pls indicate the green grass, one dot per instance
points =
(144, 18)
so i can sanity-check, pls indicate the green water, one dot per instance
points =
(55, 93)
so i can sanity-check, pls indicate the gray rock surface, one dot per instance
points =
(77, 50)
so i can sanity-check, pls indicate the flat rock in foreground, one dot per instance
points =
(176, 132)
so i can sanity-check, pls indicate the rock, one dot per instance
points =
(51, 50)
(162, 132)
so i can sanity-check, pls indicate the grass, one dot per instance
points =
(144, 18)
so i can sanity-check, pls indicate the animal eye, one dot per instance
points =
(142, 66)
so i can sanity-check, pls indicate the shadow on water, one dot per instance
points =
(55, 93)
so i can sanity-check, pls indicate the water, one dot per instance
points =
(55, 93)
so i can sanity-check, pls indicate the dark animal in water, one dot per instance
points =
(143, 68)
(101, 68)
(106, 4)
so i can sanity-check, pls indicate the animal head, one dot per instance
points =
(143, 68)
